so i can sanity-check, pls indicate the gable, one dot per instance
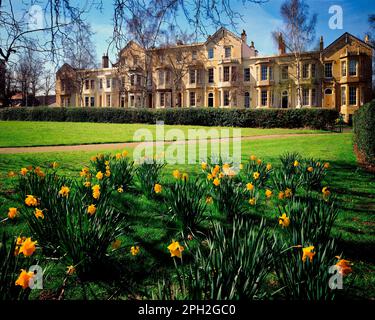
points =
(347, 42)
(223, 37)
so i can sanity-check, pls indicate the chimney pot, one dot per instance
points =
(244, 36)
(321, 44)
(281, 42)
(105, 61)
(367, 38)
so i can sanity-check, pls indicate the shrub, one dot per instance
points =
(252, 118)
(313, 173)
(311, 220)
(235, 263)
(120, 169)
(364, 134)
(148, 173)
(67, 229)
(187, 202)
(10, 266)
(306, 280)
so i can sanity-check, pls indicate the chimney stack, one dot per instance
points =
(321, 44)
(367, 38)
(244, 36)
(281, 44)
(105, 61)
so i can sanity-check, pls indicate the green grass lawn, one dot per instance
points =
(354, 227)
(23, 133)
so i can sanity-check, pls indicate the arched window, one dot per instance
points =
(210, 99)
(328, 91)
(247, 100)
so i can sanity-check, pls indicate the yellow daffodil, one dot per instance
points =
(31, 201)
(91, 209)
(269, 166)
(326, 165)
(281, 195)
(209, 200)
(226, 166)
(12, 213)
(252, 201)
(209, 177)
(344, 266)
(175, 249)
(284, 221)
(54, 165)
(326, 192)
(120, 190)
(216, 182)
(259, 161)
(308, 252)
(96, 191)
(108, 173)
(118, 156)
(253, 158)
(11, 174)
(249, 186)
(28, 247)
(158, 188)
(99, 175)
(64, 191)
(176, 174)
(134, 250)
(24, 171)
(70, 270)
(268, 193)
(288, 193)
(125, 153)
(24, 279)
(87, 184)
(296, 163)
(310, 169)
(39, 214)
(204, 165)
(84, 172)
(116, 244)
(256, 175)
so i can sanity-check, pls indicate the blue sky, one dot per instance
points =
(260, 20)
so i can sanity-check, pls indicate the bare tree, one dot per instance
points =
(48, 83)
(297, 34)
(28, 72)
(80, 53)
(41, 25)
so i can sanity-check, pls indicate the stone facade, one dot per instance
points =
(226, 72)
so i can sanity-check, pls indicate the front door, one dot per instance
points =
(328, 98)
(284, 100)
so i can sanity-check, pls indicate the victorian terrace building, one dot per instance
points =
(225, 72)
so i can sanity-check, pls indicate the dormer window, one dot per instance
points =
(228, 52)
(210, 53)
(194, 55)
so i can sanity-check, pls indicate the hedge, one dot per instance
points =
(251, 118)
(364, 134)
